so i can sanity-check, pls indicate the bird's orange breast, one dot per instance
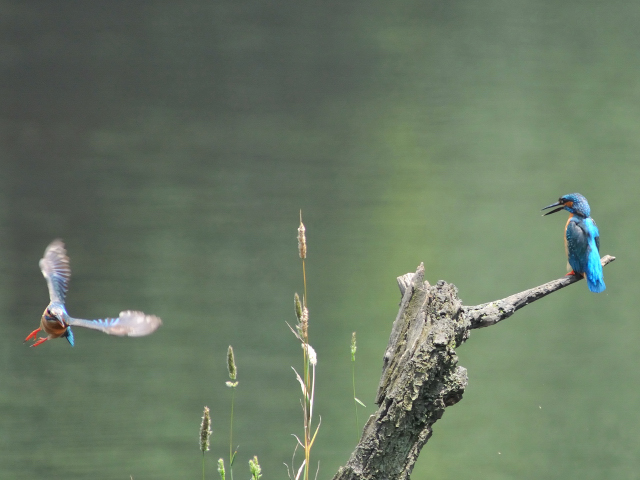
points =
(54, 329)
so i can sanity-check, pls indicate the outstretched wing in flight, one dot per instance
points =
(56, 270)
(129, 324)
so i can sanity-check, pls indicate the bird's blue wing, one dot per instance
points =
(55, 268)
(130, 323)
(577, 245)
(583, 242)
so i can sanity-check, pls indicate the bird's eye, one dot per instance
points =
(562, 200)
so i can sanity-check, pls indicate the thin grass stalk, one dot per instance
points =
(353, 382)
(231, 455)
(308, 399)
(233, 383)
(307, 417)
(304, 283)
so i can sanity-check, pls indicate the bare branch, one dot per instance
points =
(491, 313)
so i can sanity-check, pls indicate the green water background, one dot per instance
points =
(172, 146)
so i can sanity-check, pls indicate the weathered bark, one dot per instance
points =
(420, 374)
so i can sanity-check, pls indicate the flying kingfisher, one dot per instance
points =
(56, 322)
(581, 240)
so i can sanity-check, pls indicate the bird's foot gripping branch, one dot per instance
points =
(420, 373)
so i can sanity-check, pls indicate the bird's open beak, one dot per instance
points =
(555, 210)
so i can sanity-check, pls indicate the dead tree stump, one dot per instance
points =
(420, 371)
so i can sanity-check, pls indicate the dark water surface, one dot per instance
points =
(172, 147)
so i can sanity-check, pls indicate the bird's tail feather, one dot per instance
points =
(68, 334)
(595, 279)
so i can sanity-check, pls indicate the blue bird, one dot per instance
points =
(56, 322)
(581, 240)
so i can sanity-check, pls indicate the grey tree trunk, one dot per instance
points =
(420, 371)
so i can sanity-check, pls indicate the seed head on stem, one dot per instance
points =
(205, 430)
(302, 240)
(221, 468)
(353, 347)
(254, 467)
(231, 366)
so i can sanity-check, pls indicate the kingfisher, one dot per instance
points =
(581, 240)
(56, 322)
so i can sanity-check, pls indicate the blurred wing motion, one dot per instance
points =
(130, 323)
(55, 268)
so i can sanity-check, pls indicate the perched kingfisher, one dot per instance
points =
(581, 240)
(56, 322)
